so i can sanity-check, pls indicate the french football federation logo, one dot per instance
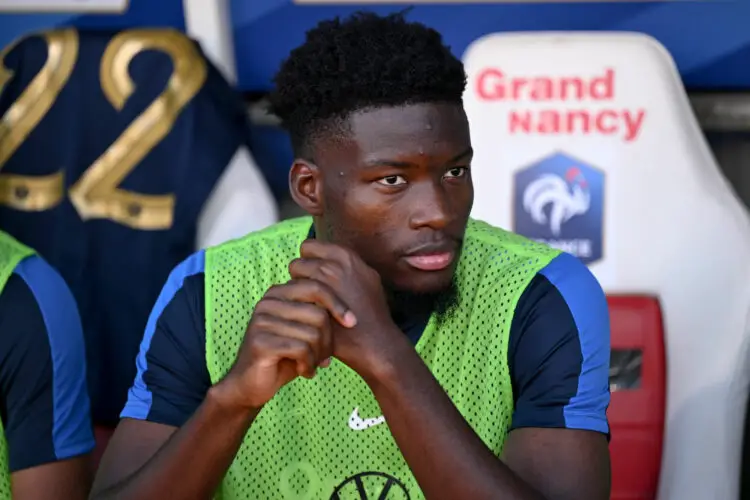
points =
(559, 201)
(565, 197)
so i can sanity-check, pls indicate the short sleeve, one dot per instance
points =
(172, 378)
(43, 394)
(559, 350)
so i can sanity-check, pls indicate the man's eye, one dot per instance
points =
(456, 172)
(392, 180)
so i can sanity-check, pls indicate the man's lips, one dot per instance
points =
(432, 257)
(431, 261)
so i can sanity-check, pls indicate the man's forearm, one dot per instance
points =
(192, 463)
(447, 458)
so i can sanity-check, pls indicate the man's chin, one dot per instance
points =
(422, 288)
(438, 295)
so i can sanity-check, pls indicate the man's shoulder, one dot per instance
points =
(18, 301)
(559, 347)
(42, 302)
(187, 277)
(295, 229)
(567, 277)
(35, 285)
(565, 285)
(263, 254)
(237, 260)
(492, 256)
(43, 369)
(496, 255)
(563, 304)
(495, 240)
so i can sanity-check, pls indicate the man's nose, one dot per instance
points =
(432, 208)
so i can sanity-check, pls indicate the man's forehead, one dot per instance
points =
(429, 130)
(397, 121)
(432, 129)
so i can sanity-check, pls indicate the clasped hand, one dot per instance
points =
(334, 305)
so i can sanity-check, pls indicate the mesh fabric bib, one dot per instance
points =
(11, 253)
(321, 438)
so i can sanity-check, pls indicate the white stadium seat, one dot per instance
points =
(587, 141)
(242, 201)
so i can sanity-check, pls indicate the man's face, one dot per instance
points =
(398, 191)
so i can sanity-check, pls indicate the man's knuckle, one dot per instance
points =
(317, 288)
(298, 349)
(330, 270)
(260, 341)
(310, 352)
(267, 306)
(275, 291)
(310, 333)
(319, 318)
(346, 255)
(262, 320)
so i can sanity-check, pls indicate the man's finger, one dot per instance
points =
(291, 329)
(304, 267)
(316, 249)
(315, 292)
(296, 313)
(287, 348)
(315, 269)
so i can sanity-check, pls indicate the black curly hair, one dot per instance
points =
(364, 61)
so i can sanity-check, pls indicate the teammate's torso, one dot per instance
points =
(110, 144)
(11, 253)
(327, 435)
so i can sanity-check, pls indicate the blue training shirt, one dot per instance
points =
(44, 403)
(558, 354)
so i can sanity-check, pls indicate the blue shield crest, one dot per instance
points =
(559, 200)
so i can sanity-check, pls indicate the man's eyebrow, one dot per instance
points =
(465, 154)
(382, 162)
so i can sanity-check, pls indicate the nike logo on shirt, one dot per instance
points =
(357, 423)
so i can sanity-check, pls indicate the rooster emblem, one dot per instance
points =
(566, 197)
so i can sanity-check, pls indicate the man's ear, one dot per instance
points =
(306, 186)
